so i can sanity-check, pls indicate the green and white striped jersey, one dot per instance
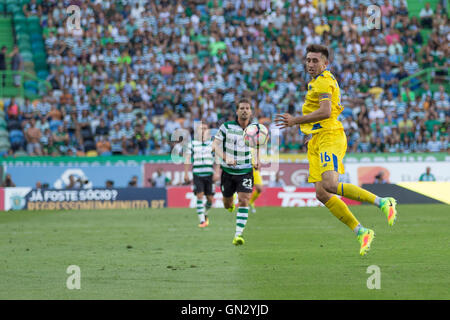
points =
(232, 136)
(201, 157)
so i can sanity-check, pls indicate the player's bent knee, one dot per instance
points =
(330, 186)
(322, 195)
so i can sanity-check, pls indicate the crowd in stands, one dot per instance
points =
(138, 70)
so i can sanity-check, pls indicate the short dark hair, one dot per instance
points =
(317, 48)
(244, 100)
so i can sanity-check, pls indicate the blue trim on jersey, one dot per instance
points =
(316, 126)
(335, 163)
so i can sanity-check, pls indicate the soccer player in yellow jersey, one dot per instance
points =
(257, 181)
(258, 184)
(327, 147)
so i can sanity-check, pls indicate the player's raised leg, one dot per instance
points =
(341, 211)
(387, 205)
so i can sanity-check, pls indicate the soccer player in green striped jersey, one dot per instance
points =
(199, 152)
(236, 165)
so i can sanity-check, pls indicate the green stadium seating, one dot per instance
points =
(22, 36)
(42, 74)
(2, 125)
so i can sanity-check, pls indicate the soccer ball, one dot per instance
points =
(256, 135)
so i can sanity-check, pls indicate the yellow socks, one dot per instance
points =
(356, 193)
(340, 210)
(255, 196)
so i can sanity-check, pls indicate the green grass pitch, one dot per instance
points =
(290, 253)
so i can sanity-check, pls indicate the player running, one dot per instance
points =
(328, 145)
(236, 164)
(199, 152)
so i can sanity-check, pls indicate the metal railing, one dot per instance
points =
(28, 85)
(424, 76)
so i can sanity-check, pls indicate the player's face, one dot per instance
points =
(202, 132)
(244, 111)
(316, 63)
(205, 132)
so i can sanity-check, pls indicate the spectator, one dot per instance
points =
(3, 65)
(434, 145)
(161, 180)
(103, 146)
(32, 8)
(133, 182)
(426, 16)
(61, 140)
(427, 176)
(101, 129)
(376, 113)
(33, 136)
(109, 184)
(16, 64)
(7, 182)
(72, 182)
(115, 138)
(129, 146)
(379, 178)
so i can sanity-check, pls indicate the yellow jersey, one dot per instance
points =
(323, 83)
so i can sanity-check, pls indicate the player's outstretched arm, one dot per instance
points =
(324, 112)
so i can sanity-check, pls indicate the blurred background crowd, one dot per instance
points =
(137, 71)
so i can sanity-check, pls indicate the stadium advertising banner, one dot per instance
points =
(395, 172)
(183, 197)
(295, 174)
(57, 177)
(88, 199)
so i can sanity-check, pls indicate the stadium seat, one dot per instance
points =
(37, 46)
(42, 74)
(91, 153)
(4, 131)
(35, 37)
(22, 36)
(27, 56)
